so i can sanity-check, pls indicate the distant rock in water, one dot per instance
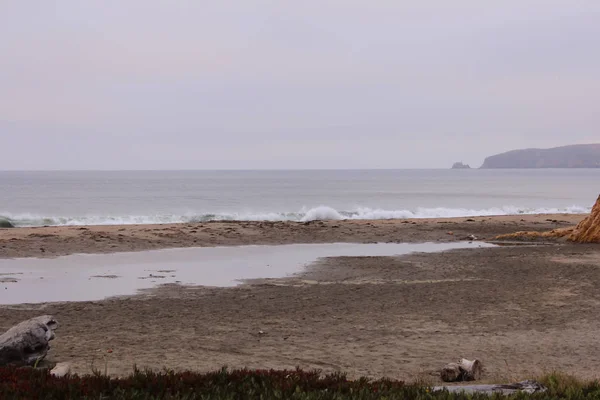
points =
(574, 156)
(588, 230)
(460, 165)
(4, 223)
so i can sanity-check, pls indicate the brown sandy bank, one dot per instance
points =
(57, 241)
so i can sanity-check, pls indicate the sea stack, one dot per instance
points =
(588, 230)
(460, 165)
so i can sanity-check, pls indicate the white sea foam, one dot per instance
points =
(321, 213)
(305, 214)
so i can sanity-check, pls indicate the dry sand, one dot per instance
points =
(522, 310)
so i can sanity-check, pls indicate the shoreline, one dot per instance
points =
(56, 241)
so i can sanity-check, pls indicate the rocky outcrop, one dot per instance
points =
(588, 230)
(460, 165)
(574, 156)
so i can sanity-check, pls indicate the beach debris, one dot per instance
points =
(529, 387)
(463, 370)
(261, 333)
(152, 276)
(61, 369)
(469, 238)
(28, 342)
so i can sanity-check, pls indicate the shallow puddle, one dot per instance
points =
(82, 277)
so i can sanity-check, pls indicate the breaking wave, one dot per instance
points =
(312, 214)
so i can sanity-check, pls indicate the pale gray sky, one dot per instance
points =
(167, 84)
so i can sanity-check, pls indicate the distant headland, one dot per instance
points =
(573, 156)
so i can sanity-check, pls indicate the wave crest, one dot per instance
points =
(304, 215)
(321, 213)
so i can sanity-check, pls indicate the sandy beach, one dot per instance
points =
(64, 240)
(522, 309)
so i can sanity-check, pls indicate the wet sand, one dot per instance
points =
(88, 277)
(522, 310)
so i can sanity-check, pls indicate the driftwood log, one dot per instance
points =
(28, 342)
(464, 370)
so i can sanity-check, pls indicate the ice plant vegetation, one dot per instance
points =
(30, 383)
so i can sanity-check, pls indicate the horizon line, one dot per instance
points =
(221, 170)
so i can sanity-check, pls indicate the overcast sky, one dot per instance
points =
(167, 84)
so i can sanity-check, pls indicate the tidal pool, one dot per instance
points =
(82, 277)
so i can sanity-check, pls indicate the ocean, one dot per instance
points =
(145, 197)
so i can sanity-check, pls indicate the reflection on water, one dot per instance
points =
(83, 277)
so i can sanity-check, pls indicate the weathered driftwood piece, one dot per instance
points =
(525, 386)
(27, 342)
(464, 370)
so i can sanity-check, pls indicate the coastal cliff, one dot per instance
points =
(574, 156)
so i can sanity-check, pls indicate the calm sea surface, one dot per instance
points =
(74, 198)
